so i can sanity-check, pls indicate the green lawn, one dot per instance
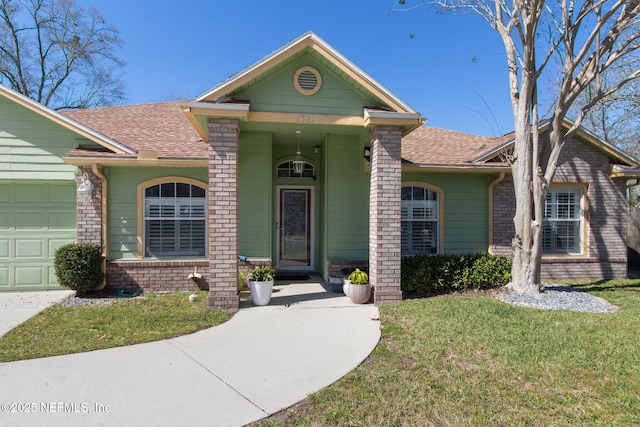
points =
(475, 361)
(64, 330)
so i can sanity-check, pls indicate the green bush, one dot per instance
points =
(78, 266)
(438, 274)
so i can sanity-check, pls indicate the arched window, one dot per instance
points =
(420, 221)
(285, 170)
(175, 220)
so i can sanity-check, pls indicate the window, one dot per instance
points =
(562, 224)
(420, 221)
(285, 170)
(175, 220)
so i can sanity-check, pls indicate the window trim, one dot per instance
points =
(140, 210)
(440, 192)
(289, 160)
(584, 220)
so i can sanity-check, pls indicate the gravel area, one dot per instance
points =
(99, 299)
(559, 298)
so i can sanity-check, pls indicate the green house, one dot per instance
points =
(302, 161)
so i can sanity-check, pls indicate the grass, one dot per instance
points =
(475, 361)
(64, 330)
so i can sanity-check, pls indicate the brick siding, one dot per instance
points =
(606, 217)
(223, 213)
(334, 267)
(89, 214)
(157, 276)
(384, 214)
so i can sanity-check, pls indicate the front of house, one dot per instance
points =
(302, 161)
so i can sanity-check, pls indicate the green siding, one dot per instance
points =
(36, 218)
(255, 195)
(347, 199)
(278, 93)
(123, 204)
(466, 211)
(32, 146)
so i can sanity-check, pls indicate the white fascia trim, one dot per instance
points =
(489, 154)
(318, 40)
(625, 170)
(362, 73)
(454, 168)
(216, 106)
(391, 115)
(63, 120)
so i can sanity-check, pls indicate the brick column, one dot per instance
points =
(223, 213)
(384, 214)
(89, 214)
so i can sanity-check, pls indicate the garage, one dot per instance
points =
(36, 217)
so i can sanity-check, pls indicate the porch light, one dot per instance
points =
(298, 163)
(85, 189)
(367, 154)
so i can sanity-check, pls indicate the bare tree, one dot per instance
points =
(586, 38)
(59, 54)
(616, 118)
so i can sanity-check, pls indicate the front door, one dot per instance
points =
(295, 228)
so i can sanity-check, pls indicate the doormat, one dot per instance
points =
(292, 276)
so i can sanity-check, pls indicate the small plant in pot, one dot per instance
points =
(261, 284)
(360, 289)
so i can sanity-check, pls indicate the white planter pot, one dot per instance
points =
(346, 286)
(260, 292)
(360, 294)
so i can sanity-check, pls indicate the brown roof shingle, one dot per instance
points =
(161, 127)
(440, 147)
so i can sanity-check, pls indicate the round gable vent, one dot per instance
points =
(307, 80)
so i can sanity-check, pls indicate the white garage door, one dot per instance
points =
(35, 219)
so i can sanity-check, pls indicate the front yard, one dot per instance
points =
(124, 321)
(460, 360)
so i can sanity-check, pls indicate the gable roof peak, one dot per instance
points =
(307, 40)
(63, 120)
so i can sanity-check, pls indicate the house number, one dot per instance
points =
(304, 118)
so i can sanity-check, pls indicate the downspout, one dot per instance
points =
(105, 246)
(492, 184)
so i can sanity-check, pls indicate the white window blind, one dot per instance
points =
(175, 220)
(420, 222)
(562, 222)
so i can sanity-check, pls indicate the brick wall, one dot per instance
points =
(384, 214)
(223, 213)
(89, 214)
(606, 217)
(157, 276)
(334, 267)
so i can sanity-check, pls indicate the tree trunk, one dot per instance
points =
(525, 269)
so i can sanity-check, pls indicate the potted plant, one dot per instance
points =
(360, 288)
(261, 284)
(336, 282)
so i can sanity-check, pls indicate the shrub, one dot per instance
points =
(78, 266)
(426, 274)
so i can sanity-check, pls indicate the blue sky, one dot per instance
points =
(452, 71)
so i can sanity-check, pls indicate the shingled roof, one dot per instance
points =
(429, 146)
(161, 127)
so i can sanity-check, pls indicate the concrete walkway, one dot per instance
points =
(261, 361)
(18, 307)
